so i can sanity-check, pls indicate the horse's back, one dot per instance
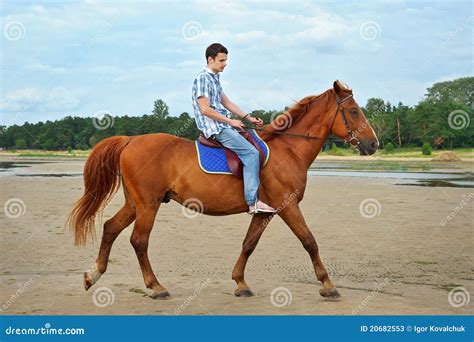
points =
(158, 152)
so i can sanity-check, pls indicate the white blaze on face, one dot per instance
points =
(375, 135)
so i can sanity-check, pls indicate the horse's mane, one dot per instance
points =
(292, 115)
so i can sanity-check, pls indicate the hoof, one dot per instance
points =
(244, 293)
(87, 281)
(161, 295)
(330, 293)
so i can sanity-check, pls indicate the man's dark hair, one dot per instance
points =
(213, 49)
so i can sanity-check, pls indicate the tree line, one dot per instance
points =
(441, 119)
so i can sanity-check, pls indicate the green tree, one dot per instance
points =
(460, 91)
(432, 120)
(160, 109)
(426, 149)
(21, 144)
(389, 148)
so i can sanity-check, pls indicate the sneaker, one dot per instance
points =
(260, 207)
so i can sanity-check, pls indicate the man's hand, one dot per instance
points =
(229, 105)
(237, 124)
(256, 121)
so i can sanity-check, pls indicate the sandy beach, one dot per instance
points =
(404, 260)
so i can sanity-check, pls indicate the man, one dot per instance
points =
(212, 118)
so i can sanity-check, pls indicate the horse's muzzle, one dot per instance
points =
(368, 147)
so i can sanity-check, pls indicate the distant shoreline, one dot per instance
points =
(465, 155)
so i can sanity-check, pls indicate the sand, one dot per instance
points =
(404, 260)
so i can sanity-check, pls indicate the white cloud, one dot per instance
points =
(34, 99)
(45, 68)
(112, 52)
(40, 10)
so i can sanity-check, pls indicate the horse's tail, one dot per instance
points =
(101, 181)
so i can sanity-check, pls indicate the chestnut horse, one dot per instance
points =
(155, 168)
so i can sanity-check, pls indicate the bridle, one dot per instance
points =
(351, 136)
(350, 133)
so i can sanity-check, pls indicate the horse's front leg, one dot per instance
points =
(294, 219)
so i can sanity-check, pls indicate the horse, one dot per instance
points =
(156, 168)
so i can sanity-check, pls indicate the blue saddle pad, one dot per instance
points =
(214, 160)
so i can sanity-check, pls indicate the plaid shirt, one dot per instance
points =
(207, 84)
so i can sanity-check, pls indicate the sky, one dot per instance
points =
(80, 58)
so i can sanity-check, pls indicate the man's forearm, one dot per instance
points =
(234, 109)
(215, 115)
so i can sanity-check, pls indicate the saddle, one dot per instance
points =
(233, 161)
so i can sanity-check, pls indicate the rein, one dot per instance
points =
(284, 133)
(351, 134)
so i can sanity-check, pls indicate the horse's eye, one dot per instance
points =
(354, 112)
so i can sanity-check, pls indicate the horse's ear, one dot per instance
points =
(336, 87)
(341, 87)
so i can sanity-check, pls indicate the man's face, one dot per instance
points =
(219, 63)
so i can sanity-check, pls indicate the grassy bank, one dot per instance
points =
(405, 152)
(45, 154)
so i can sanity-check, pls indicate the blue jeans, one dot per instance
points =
(250, 158)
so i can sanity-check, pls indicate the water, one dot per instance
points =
(49, 175)
(404, 173)
(390, 175)
(6, 165)
(13, 168)
(433, 179)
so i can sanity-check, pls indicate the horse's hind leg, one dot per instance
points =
(139, 240)
(112, 228)
(255, 231)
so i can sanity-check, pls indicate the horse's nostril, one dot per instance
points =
(374, 145)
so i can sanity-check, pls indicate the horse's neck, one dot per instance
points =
(316, 123)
